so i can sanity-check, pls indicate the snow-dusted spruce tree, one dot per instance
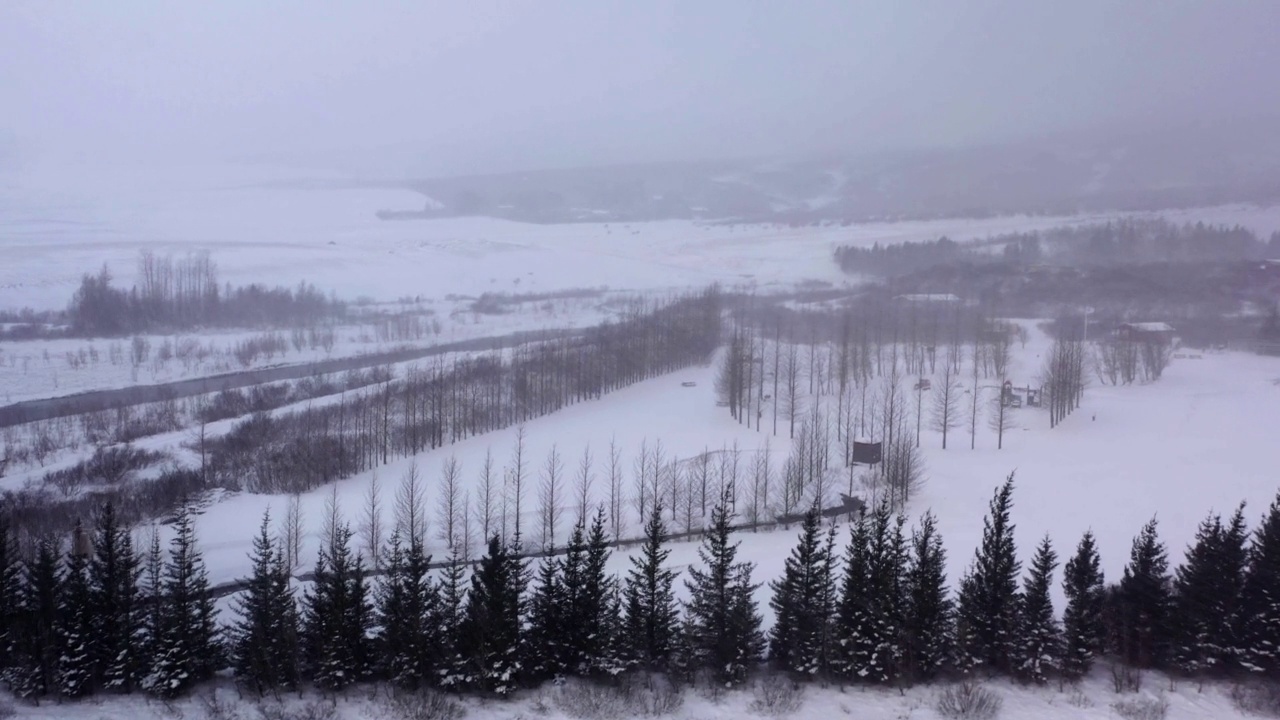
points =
(1039, 649)
(1260, 602)
(722, 625)
(119, 634)
(75, 627)
(452, 668)
(187, 648)
(491, 625)
(152, 607)
(651, 619)
(594, 634)
(33, 673)
(264, 642)
(803, 603)
(870, 619)
(987, 612)
(854, 614)
(545, 642)
(410, 637)
(1083, 633)
(337, 615)
(10, 596)
(1206, 596)
(1145, 602)
(927, 623)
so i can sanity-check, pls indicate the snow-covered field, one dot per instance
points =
(1202, 438)
(283, 226)
(1093, 700)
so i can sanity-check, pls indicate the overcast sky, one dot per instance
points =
(477, 86)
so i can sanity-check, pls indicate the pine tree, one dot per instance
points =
(546, 641)
(593, 599)
(802, 604)
(651, 620)
(337, 615)
(927, 622)
(1145, 602)
(1206, 596)
(410, 634)
(722, 625)
(1039, 649)
(119, 622)
(1082, 629)
(187, 648)
(75, 627)
(988, 602)
(888, 586)
(264, 643)
(451, 671)
(34, 671)
(491, 625)
(153, 607)
(10, 596)
(854, 614)
(1260, 601)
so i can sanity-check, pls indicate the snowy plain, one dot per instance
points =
(1202, 438)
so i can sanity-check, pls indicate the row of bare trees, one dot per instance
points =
(1123, 361)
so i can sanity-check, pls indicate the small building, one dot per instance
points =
(1157, 332)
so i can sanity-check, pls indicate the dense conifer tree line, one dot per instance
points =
(101, 617)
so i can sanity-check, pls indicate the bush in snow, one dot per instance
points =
(1261, 698)
(1144, 708)
(423, 704)
(968, 701)
(777, 696)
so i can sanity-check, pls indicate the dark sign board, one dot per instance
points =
(866, 452)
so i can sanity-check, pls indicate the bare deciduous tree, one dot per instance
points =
(549, 496)
(371, 528)
(946, 400)
(410, 506)
(585, 479)
(449, 512)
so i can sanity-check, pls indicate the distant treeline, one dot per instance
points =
(429, 407)
(1114, 243)
(183, 293)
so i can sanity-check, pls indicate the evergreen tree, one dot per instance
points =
(593, 599)
(1144, 602)
(337, 615)
(75, 627)
(1206, 592)
(547, 639)
(119, 621)
(854, 616)
(153, 607)
(651, 622)
(35, 666)
(1039, 648)
(410, 634)
(10, 596)
(452, 668)
(1082, 627)
(722, 625)
(491, 626)
(264, 643)
(927, 622)
(802, 603)
(988, 602)
(187, 647)
(1260, 602)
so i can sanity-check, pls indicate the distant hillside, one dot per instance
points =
(1077, 175)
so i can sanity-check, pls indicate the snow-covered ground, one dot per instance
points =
(1092, 700)
(284, 226)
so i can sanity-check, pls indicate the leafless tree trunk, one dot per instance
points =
(372, 526)
(484, 496)
(794, 403)
(585, 479)
(515, 482)
(973, 401)
(450, 503)
(945, 401)
(617, 520)
(549, 496)
(291, 532)
(410, 507)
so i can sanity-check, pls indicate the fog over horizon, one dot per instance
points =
(422, 89)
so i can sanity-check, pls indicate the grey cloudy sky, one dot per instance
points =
(476, 86)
